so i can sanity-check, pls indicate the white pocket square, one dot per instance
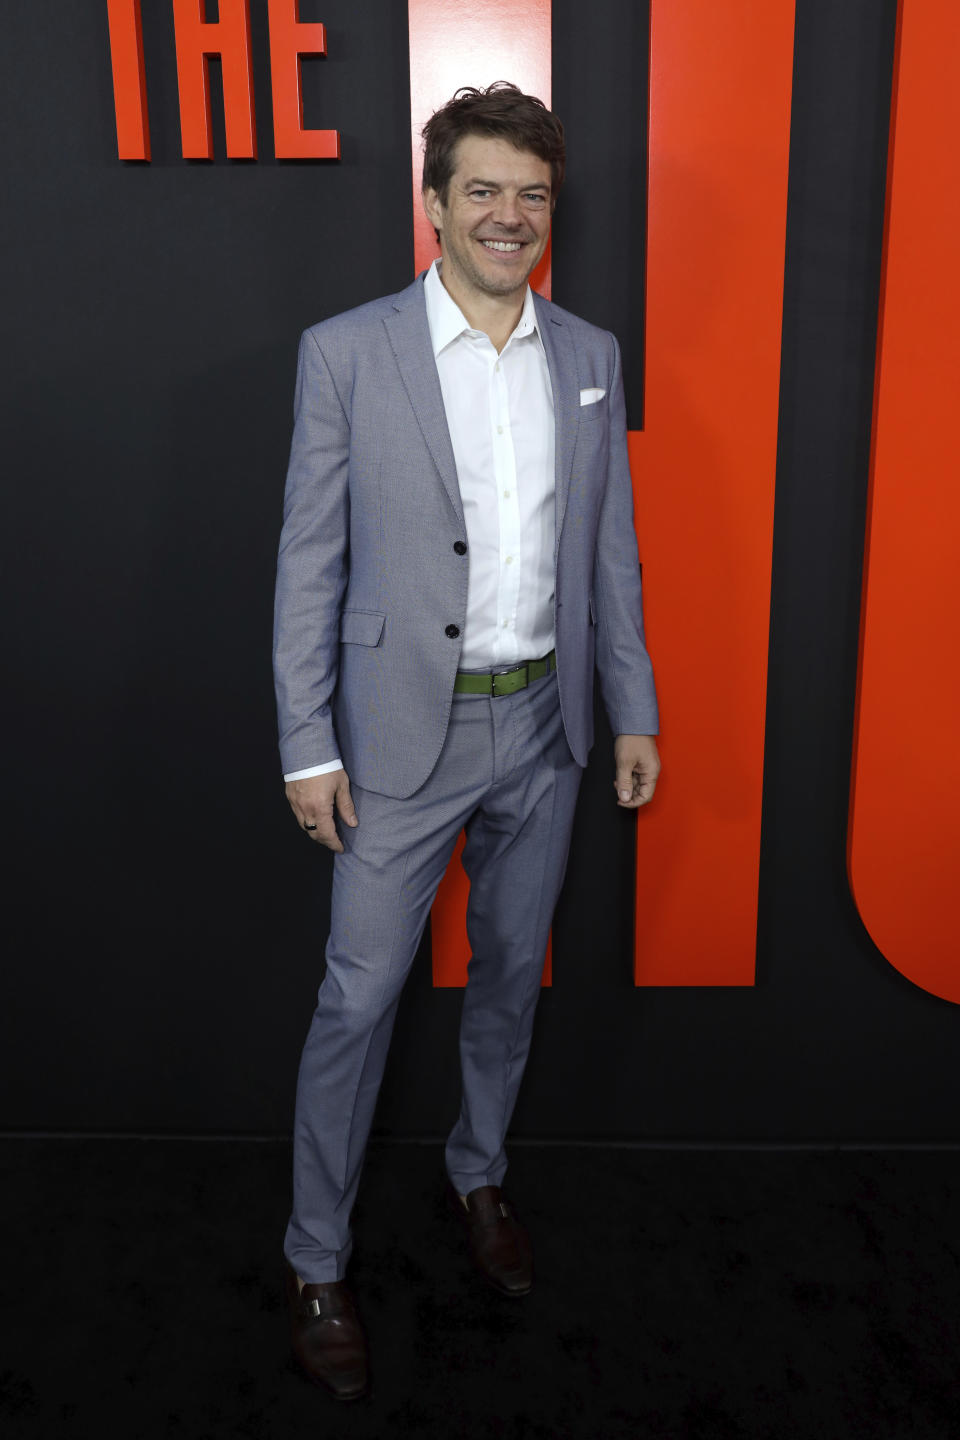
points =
(590, 397)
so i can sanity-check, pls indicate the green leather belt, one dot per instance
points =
(507, 682)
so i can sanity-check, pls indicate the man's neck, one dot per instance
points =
(496, 315)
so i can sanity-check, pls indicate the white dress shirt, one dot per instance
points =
(499, 411)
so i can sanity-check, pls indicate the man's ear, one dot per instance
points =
(432, 207)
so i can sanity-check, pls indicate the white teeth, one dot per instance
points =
(501, 244)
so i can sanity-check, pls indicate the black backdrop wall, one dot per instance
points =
(164, 918)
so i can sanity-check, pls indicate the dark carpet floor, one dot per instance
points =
(685, 1294)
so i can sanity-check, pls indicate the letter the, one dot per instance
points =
(196, 42)
(289, 39)
(129, 79)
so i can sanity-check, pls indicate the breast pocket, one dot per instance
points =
(596, 410)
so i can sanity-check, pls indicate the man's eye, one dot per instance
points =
(535, 199)
(480, 194)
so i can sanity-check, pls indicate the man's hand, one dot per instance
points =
(638, 765)
(312, 801)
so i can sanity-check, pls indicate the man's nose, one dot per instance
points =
(507, 211)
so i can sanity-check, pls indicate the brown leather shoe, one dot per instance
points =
(327, 1337)
(499, 1245)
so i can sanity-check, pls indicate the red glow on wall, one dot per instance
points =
(472, 42)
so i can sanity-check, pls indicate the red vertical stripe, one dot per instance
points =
(704, 470)
(904, 849)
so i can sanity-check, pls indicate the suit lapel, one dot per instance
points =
(409, 336)
(562, 364)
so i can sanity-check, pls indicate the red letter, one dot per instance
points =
(129, 79)
(904, 848)
(196, 41)
(288, 41)
(704, 470)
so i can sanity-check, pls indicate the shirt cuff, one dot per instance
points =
(315, 770)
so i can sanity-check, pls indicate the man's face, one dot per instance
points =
(495, 224)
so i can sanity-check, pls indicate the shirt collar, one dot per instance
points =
(447, 321)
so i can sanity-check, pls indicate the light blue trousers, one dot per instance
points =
(506, 775)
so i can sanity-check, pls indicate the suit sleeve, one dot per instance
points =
(312, 566)
(626, 674)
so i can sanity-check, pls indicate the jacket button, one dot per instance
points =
(453, 631)
(459, 547)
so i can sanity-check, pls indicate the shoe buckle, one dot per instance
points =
(313, 1308)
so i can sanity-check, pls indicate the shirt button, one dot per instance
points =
(499, 429)
(509, 560)
(459, 547)
(452, 631)
(506, 494)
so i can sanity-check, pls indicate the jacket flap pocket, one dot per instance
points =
(361, 627)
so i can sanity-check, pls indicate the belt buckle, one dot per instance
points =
(513, 675)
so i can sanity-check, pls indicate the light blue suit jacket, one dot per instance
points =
(371, 595)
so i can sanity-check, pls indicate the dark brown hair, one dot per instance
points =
(501, 111)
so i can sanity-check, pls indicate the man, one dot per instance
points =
(457, 550)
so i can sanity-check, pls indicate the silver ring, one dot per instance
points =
(308, 827)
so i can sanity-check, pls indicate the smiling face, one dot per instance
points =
(495, 224)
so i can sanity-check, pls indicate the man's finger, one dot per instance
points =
(624, 785)
(345, 805)
(640, 793)
(325, 832)
(645, 788)
(320, 826)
